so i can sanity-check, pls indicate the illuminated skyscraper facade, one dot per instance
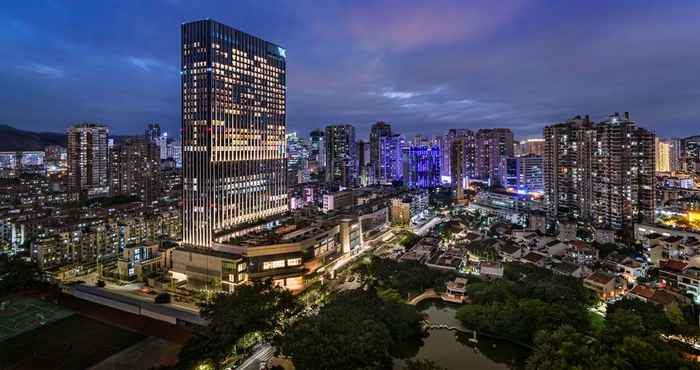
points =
(378, 131)
(341, 155)
(424, 166)
(663, 155)
(391, 158)
(233, 130)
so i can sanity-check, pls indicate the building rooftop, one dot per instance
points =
(600, 278)
(510, 248)
(565, 268)
(643, 291)
(673, 265)
(533, 257)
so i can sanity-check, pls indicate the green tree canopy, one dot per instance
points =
(238, 320)
(354, 331)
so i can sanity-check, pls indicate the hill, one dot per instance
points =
(12, 139)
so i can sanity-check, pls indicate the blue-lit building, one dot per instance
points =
(510, 173)
(531, 173)
(390, 158)
(424, 166)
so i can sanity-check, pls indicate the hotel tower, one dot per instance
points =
(233, 130)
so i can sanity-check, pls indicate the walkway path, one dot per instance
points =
(428, 294)
(428, 226)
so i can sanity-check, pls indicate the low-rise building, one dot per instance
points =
(569, 269)
(582, 253)
(604, 285)
(567, 230)
(491, 269)
(510, 252)
(534, 258)
(138, 261)
(338, 201)
(406, 209)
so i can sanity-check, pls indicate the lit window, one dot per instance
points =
(268, 265)
(294, 262)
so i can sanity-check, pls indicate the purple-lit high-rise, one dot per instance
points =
(424, 166)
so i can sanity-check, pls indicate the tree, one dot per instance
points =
(675, 315)
(354, 331)
(162, 298)
(16, 273)
(258, 310)
(563, 348)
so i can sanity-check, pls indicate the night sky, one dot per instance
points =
(424, 66)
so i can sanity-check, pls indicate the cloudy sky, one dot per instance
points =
(424, 66)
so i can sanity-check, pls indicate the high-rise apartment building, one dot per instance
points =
(378, 131)
(600, 172)
(466, 152)
(623, 173)
(233, 130)
(493, 146)
(530, 146)
(691, 153)
(87, 159)
(663, 155)
(341, 155)
(676, 155)
(567, 169)
(134, 169)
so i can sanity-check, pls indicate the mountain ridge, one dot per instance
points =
(14, 139)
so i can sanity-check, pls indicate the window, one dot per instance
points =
(268, 265)
(294, 261)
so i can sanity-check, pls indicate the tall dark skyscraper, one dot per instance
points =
(233, 130)
(341, 155)
(318, 147)
(378, 131)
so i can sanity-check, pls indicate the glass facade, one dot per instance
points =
(233, 130)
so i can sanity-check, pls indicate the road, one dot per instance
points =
(132, 291)
(262, 355)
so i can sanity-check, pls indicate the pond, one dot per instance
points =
(453, 350)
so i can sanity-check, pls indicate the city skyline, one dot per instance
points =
(479, 67)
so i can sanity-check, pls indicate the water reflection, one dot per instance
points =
(453, 350)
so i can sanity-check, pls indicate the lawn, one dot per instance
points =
(597, 321)
(73, 342)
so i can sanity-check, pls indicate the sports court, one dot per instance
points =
(19, 314)
(36, 334)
